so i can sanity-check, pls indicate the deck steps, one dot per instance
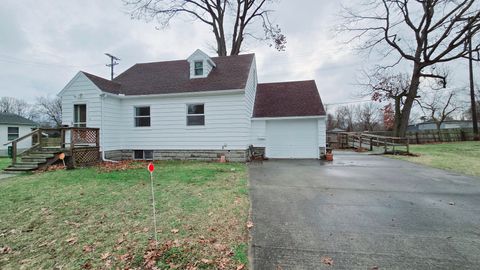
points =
(35, 159)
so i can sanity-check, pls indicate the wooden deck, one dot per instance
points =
(371, 142)
(81, 147)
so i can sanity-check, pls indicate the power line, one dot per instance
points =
(348, 102)
(15, 60)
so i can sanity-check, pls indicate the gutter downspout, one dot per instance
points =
(102, 97)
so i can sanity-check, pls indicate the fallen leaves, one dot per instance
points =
(105, 255)
(249, 224)
(120, 166)
(87, 265)
(120, 240)
(206, 261)
(5, 250)
(88, 248)
(125, 257)
(327, 260)
(174, 231)
(72, 241)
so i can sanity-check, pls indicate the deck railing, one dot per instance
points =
(369, 141)
(65, 138)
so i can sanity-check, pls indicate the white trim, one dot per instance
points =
(288, 117)
(143, 116)
(86, 113)
(199, 93)
(195, 114)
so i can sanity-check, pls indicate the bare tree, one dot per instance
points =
(387, 88)
(51, 108)
(331, 121)
(345, 116)
(15, 106)
(229, 20)
(424, 33)
(438, 106)
(368, 116)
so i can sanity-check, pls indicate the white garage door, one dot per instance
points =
(292, 138)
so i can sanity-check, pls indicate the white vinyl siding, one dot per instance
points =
(81, 91)
(251, 89)
(257, 133)
(322, 132)
(225, 123)
(22, 130)
(113, 124)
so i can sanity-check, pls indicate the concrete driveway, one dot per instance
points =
(364, 212)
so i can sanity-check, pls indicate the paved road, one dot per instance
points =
(363, 212)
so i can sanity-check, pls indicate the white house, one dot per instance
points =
(12, 127)
(198, 108)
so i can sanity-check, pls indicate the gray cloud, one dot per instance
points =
(41, 49)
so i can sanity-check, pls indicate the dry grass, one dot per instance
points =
(461, 157)
(97, 219)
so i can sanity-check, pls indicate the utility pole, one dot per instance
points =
(113, 62)
(472, 87)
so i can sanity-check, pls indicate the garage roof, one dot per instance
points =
(286, 99)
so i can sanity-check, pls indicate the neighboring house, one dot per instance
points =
(12, 127)
(198, 108)
(445, 125)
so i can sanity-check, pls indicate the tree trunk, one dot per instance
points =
(397, 115)
(221, 47)
(407, 107)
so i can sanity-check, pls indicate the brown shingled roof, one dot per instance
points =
(231, 72)
(286, 99)
(103, 84)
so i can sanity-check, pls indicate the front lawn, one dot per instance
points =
(97, 219)
(461, 157)
(4, 163)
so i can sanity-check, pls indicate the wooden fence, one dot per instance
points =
(444, 135)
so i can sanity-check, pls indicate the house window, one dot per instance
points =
(12, 133)
(195, 115)
(142, 116)
(80, 115)
(198, 68)
(143, 154)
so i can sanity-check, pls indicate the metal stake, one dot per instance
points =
(153, 207)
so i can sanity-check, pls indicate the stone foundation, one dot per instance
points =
(119, 155)
(201, 155)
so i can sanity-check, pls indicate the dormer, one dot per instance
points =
(200, 64)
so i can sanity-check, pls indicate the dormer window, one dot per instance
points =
(198, 68)
(200, 65)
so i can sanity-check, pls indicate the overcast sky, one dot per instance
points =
(43, 44)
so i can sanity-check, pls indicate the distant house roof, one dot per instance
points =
(14, 119)
(231, 72)
(286, 99)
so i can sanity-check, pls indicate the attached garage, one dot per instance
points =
(289, 120)
(292, 138)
